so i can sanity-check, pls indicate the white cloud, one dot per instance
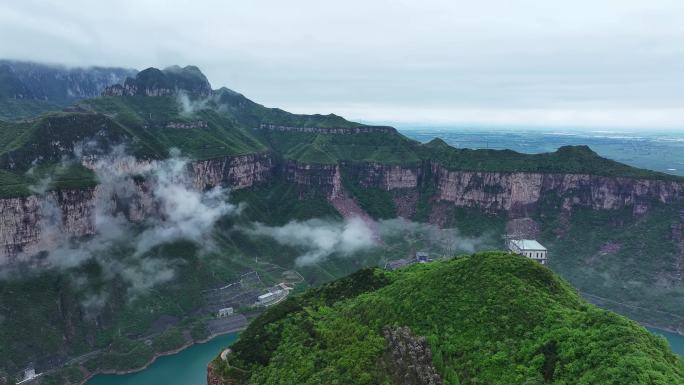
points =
(164, 207)
(390, 57)
(319, 238)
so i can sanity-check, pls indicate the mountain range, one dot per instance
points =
(613, 231)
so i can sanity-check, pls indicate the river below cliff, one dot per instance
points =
(189, 367)
(675, 340)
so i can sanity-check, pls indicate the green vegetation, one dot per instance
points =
(170, 340)
(15, 109)
(33, 151)
(250, 114)
(68, 375)
(489, 318)
(323, 148)
(34, 319)
(474, 222)
(566, 160)
(376, 202)
(44, 315)
(199, 331)
(227, 124)
(150, 122)
(278, 202)
(125, 354)
(618, 246)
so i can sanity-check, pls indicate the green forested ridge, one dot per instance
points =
(44, 315)
(52, 302)
(490, 318)
(230, 126)
(566, 160)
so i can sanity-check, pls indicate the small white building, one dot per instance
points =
(29, 374)
(226, 311)
(529, 248)
(271, 298)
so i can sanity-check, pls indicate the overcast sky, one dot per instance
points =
(602, 63)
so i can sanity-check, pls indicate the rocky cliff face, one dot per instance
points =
(407, 358)
(234, 172)
(515, 193)
(169, 81)
(324, 178)
(23, 220)
(384, 176)
(519, 192)
(213, 377)
(31, 224)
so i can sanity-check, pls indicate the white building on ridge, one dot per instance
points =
(529, 248)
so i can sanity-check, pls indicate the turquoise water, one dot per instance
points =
(188, 367)
(676, 341)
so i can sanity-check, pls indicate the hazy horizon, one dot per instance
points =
(616, 63)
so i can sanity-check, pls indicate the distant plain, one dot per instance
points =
(658, 151)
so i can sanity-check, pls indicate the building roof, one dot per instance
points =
(528, 244)
(270, 294)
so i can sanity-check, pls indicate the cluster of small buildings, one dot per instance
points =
(529, 248)
(419, 257)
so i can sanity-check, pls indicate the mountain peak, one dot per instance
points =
(169, 81)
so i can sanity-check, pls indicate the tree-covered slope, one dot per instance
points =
(490, 318)
(331, 148)
(566, 160)
(160, 123)
(157, 110)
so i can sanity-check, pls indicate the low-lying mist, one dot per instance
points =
(141, 205)
(138, 206)
(320, 239)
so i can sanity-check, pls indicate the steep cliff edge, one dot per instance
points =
(613, 230)
(517, 193)
(487, 318)
(32, 223)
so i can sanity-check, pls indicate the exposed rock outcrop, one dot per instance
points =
(34, 223)
(234, 172)
(515, 193)
(213, 377)
(166, 82)
(324, 178)
(408, 359)
(30, 224)
(519, 192)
